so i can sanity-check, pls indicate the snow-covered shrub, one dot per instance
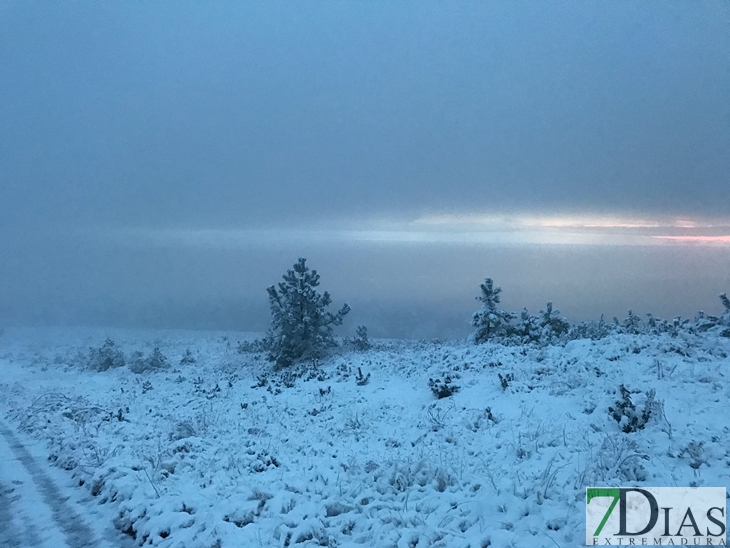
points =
(442, 388)
(726, 304)
(594, 330)
(704, 322)
(194, 426)
(632, 324)
(673, 327)
(401, 477)
(489, 320)
(252, 347)
(548, 327)
(301, 326)
(656, 325)
(625, 413)
(361, 379)
(552, 323)
(187, 358)
(725, 318)
(107, 356)
(619, 460)
(526, 329)
(679, 325)
(360, 341)
(155, 361)
(695, 452)
(504, 380)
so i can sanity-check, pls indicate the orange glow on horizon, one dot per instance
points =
(696, 239)
(686, 223)
(565, 221)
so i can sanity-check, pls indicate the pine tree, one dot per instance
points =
(527, 327)
(107, 356)
(489, 319)
(361, 341)
(551, 321)
(726, 314)
(632, 323)
(591, 329)
(301, 326)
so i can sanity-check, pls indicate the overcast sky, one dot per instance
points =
(187, 152)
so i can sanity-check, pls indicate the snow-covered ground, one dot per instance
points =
(223, 452)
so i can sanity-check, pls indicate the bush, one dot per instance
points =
(107, 356)
(591, 329)
(489, 319)
(301, 326)
(624, 411)
(504, 380)
(443, 389)
(553, 325)
(632, 324)
(361, 379)
(187, 358)
(155, 361)
(527, 328)
(704, 322)
(252, 347)
(725, 302)
(548, 327)
(360, 341)
(725, 318)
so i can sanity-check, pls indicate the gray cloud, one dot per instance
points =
(251, 113)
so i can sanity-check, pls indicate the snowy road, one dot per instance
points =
(39, 508)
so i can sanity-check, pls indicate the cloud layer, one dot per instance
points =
(164, 162)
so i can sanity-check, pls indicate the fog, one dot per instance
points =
(161, 164)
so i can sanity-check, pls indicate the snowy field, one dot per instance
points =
(223, 452)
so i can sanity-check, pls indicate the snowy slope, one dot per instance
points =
(223, 452)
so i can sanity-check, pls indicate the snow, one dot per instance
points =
(40, 508)
(224, 452)
(32, 519)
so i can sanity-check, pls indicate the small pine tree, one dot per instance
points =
(489, 319)
(301, 326)
(155, 361)
(595, 330)
(632, 324)
(527, 327)
(703, 322)
(678, 325)
(602, 328)
(654, 322)
(107, 356)
(726, 313)
(361, 341)
(551, 321)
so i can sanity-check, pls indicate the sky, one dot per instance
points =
(161, 163)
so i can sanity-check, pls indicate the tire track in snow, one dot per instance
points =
(77, 532)
(9, 536)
